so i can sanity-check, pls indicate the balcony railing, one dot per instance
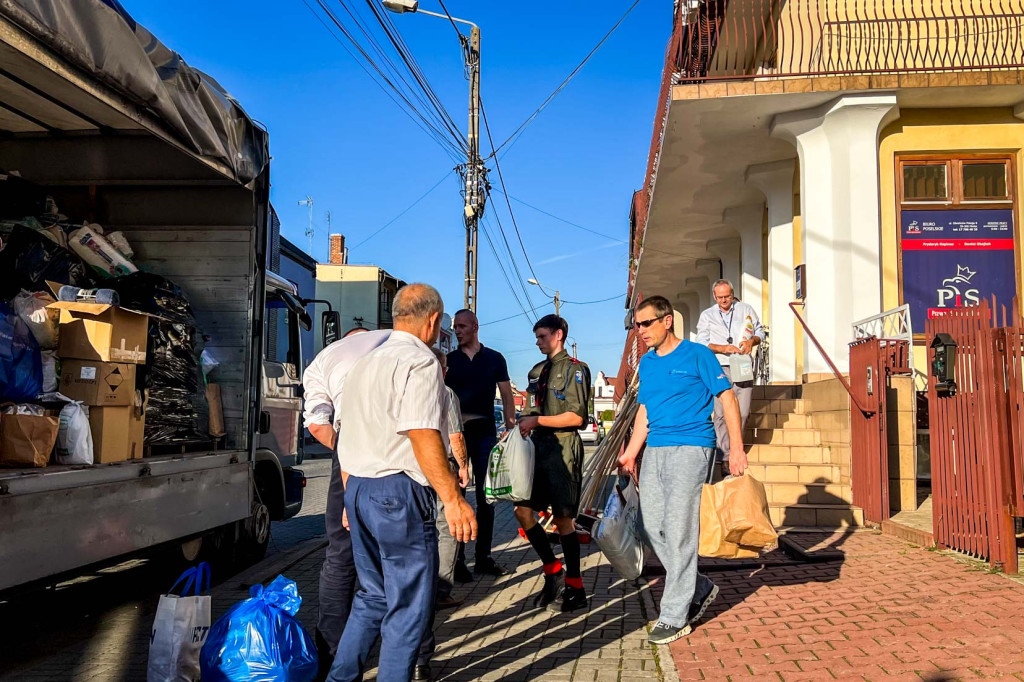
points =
(757, 39)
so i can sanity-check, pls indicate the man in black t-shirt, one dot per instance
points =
(474, 372)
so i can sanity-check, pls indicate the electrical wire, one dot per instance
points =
(501, 267)
(544, 305)
(572, 74)
(600, 300)
(407, 209)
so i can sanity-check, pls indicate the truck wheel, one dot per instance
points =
(255, 532)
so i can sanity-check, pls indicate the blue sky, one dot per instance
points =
(336, 136)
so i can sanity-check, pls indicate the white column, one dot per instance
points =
(748, 222)
(728, 250)
(838, 148)
(775, 180)
(692, 303)
(702, 287)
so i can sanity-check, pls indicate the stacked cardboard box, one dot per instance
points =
(100, 346)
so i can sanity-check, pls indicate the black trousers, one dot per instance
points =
(338, 572)
(481, 437)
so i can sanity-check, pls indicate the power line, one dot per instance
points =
(543, 305)
(572, 74)
(407, 209)
(602, 300)
(567, 222)
(501, 267)
(511, 317)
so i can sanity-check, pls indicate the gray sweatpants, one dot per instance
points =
(743, 393)
(670, 487)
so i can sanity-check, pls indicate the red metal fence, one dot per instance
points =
(976, 436)
(742, 39)
(872, 362)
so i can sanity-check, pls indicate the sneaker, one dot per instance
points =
(448, 602)
(699, 606)
(462, 574)
(570, 599)
(663, 633)
(548, 593)
(489, 567)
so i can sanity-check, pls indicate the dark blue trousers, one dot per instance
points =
(480, 439)
(338, 572)
(394, 542)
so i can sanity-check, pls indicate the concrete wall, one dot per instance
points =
(828, 405)
(901, 429)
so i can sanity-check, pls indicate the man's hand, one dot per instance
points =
(737, 460)
(324, 434)
(746, 347)
(464, 475)
(628, 463)
(510, 423)
(344, 519)
(528, 424)
(461, 520)
(723, 348)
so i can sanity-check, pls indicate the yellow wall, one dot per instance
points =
(939, 131)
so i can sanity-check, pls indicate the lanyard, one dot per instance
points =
(728, 327)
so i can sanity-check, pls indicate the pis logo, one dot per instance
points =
(956, 290)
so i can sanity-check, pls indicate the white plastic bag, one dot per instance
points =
(510, 469)
(41, 321)
(74, 437)
(51, 378)
(617, 533)
(92, 247)
(180, 629)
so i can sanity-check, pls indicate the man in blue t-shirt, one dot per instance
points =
(678, 385)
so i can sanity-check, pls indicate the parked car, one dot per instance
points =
(499, 420)
(592, 431)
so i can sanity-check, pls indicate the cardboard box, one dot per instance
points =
(105, 333)
(101, 384)
(113, 434)
(137, 423)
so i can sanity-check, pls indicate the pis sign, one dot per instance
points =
(953, 259)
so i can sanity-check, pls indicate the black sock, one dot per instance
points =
(571, 555)
(539, 539)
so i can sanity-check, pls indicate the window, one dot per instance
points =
(953, 181)
(925, 181)
(985, 180)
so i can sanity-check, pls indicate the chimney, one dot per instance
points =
(337, 250)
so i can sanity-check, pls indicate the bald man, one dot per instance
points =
(474, 372)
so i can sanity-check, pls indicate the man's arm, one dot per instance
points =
(628, 459)
(558, 421)
(747, 346)
(433, 460)
(324, 434)
(508, 403)
(731, 412)
(461, 455)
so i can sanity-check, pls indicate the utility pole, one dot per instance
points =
(308, 201)
(475, 172)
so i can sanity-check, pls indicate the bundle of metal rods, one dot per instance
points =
(598, 481)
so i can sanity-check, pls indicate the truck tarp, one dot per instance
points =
(101, 38)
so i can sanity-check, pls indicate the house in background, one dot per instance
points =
(604, 393)
(363, 294)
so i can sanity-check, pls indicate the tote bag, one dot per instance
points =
(180, 628)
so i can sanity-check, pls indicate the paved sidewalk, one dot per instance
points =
(495, 635)
(890, 611)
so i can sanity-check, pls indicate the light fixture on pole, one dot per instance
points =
(475, 174)
(308, 201)
(558, 301)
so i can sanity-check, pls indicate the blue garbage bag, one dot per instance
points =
(260, 640)
(21, 364)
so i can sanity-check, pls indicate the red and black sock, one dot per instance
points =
(539, 539)
(571, 555)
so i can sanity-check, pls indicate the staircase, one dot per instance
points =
(807, 482)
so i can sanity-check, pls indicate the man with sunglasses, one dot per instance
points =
(678, 384)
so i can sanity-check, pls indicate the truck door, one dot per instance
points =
(282, 381)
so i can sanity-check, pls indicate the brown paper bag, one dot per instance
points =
(744, 513)
(27, 440)
(712, 542)
(216, 407)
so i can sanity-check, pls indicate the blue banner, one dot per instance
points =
(953, 259)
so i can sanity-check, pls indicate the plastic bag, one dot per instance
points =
(51, 377)
(21, 366)
(260, 640)
(92, 247)
(74, 436)
(617, 534)
(41, 321)
(744, 513)
(29, 259)
(180, 628)
(713, 535)
(510, 469)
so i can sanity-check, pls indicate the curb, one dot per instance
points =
(269, 568)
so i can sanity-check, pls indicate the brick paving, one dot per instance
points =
(889, 611)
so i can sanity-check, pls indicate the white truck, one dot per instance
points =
(119, 130)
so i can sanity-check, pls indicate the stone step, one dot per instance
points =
(778, 421)
(808, 493)
(783, 436)
(784, 407)
(778, 392)
(788, 472)
(821, 515)
(759, 453)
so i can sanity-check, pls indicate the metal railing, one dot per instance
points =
(754, 39)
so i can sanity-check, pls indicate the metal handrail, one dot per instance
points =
(832, 366)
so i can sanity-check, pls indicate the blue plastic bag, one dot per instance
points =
(21, 364)
(260, 640)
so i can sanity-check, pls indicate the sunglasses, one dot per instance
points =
(647, 323)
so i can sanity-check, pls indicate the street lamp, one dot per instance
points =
(558, 301)
(475, 171)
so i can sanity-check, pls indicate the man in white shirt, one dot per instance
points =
(393, 459)
(730, 328)
(322, 384)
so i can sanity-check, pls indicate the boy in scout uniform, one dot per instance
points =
(559, 405)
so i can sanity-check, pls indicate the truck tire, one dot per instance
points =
(254, 532)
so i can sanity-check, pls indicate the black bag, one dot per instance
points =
(29, 259)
